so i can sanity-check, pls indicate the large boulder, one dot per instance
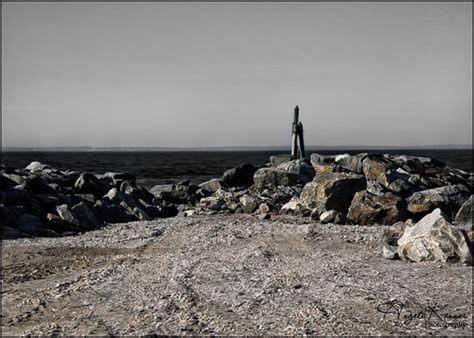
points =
(368, 209)
(351, 162)
(212, 185)
(88, 183)
(36, 166)
(332, 216)
(434, 238)
(67, 215)
(241, 176)
(274, 177)
(276, 160)
(464, 214)
(86, 218)
(396, 181)
(448, 198)
(302, 168)
(332, 191)
(249, 203)
(317, 159)
(373, 166)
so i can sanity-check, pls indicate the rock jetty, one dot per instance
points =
(362, 189)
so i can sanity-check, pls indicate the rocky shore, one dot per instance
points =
(317, 246)
(362, 189)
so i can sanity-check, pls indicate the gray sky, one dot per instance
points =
(230, 74)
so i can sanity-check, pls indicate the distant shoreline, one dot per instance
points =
(197, 149)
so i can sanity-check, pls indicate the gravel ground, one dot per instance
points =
(227, 274)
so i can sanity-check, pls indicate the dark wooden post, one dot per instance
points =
(300, 134)
(294, 136)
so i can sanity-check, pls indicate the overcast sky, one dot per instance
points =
(230, 74)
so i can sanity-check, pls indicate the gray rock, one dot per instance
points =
(67, 215)
(434, 238)
(322, 159)
(274, 177)
(376, 188)
(263, 216)
(276, 160)
(464, 214)
(448, 198)
(111, 213)
(217, 204)
(36, 166)
(332, 191)
(389, 251)
(302, 168)
(212, 185)
(392, 234)
(141, 214)
(332, 216)
(249, 203)
(396, 181)
(368, 209)
(373, 167)
(86, 218)
(155, 190)
(351, 162)
(89, 184)
(241, 176)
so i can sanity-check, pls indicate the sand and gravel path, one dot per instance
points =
(222, 274)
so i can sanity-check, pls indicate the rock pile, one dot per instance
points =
(362, 189)
(42, 201)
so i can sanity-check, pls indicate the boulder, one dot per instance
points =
(274, 177)
(89, 184)
(141, 214)
(159, 188)
(293, 207)
(111, 213)
(351, 163)
(396, 181)
(6, 181)
(332, 216)
(249, 203)
(448, 198)
(392, 234)
(434, 238)
(302, 168)
(66, 214)
(119, 178)
(241, 176)
(213, 203)
(332, 191)
(36, 184)
(368, 209)
(212, 185)
(36, 166)
(464, 214)
(317, 159)
(373, 167)
(276, 160)
(86, 218)
(390, 251)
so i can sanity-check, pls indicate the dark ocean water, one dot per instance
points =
(152, 168)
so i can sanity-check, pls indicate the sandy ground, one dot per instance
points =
(226, 275)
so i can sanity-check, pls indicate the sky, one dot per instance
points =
(230, 74)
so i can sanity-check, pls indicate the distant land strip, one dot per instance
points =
(228, 148)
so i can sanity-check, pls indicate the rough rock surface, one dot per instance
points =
(332, 191)
(447, 198)
(225, 275)
(464, 214)
(367, 209)
(434, 238)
